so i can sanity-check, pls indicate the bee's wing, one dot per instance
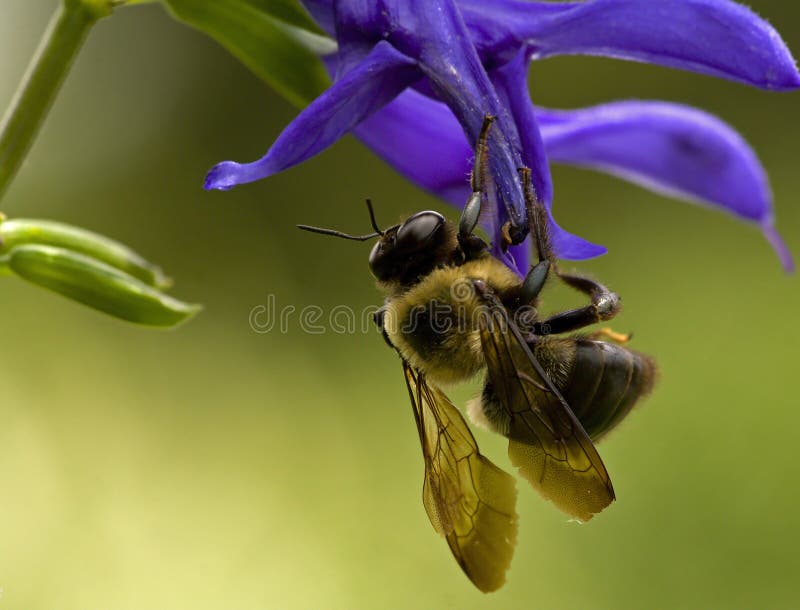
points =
(547, 442)
(469, 500)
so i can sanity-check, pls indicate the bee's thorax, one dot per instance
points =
(433, 322)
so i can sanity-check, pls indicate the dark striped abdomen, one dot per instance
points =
(605, 382)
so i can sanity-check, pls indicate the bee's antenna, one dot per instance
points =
(336, 233)
(372, 218)
(378, 232)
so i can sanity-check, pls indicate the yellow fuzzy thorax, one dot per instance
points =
(450, 352)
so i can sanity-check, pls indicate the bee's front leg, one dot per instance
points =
(378, 317)
(470, 243)
(514, 234)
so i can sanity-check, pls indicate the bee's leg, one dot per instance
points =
(533, 283)
(478, 180)
(378, 318)
(536, 226)
(605, 305)
(608, 334)
(470, 244)
(537, 219)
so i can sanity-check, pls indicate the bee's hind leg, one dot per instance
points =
(605, 305)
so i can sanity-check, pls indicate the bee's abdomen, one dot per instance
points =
(604, 384)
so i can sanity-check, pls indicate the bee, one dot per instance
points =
(453, 310)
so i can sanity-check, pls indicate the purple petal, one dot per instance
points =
(423, 141)
(715, 37)
(777, 243)
(669, 148)
(511, 83)
(378, 78)
(433, 33)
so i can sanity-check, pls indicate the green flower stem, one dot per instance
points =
(50, 65)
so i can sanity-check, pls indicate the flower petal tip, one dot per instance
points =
(784, 76)
(589, 250)
(777, 243)
(223, 176)
(778, 67)
(792, 81)
(573, 248)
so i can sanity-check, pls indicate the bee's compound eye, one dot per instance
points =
(418, 230)
(381, 261)
(374, 255)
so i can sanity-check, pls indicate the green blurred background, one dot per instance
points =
(216, 467)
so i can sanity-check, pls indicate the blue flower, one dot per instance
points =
(414, 79)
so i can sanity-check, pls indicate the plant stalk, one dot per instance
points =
(40, 85)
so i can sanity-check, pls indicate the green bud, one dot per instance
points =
(96, 284)
(20, 231)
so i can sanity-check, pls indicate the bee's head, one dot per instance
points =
(412, 249)
(408, 251)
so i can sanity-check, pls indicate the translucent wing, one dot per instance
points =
(469, 500)
(547, 442)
